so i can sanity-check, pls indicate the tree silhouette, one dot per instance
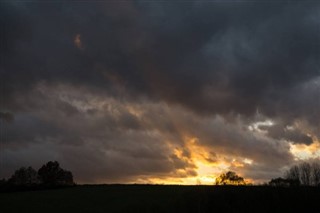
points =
(307, 174)
(51, 174)
(293, 174)
(24, 177)
(230, 178)
(316, 173)
(279, 182)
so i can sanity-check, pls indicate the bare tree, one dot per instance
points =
(315, 166)
(305, 173)
(293, 175)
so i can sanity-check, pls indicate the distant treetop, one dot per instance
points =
(51, 174)
(24, 177)
(230, 178)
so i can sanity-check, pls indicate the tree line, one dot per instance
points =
(52, 175)
(303, 174)
(49, 175)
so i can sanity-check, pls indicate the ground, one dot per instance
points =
(162, 198)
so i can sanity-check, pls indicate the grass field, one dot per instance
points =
(163, 198)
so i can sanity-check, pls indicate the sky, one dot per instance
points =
(168, 92)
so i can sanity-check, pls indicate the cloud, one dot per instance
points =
(151, 74)
(288, 133)
(101, 139)
(106, 139)
(232, 62)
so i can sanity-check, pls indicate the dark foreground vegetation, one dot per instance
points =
(52, 189)
(164, 198)
(49, 176)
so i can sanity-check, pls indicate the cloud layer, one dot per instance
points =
(127, 92)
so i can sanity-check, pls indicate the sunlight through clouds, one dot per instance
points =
(305, 152)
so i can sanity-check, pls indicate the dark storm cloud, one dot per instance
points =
(110, 140)
(117, 86)
(210, 57)
(102, 140)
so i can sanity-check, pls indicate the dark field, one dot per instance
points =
(160, 198)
